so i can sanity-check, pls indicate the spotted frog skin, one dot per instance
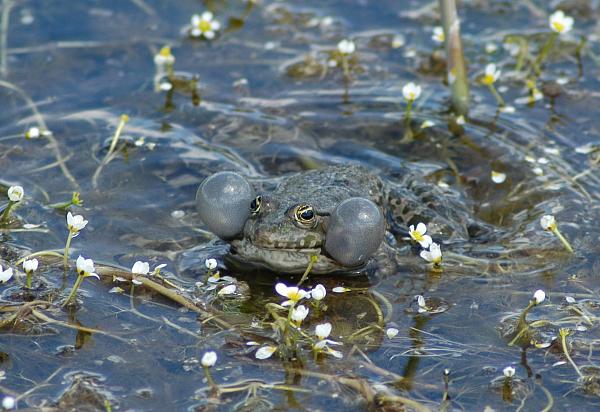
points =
(289, 224)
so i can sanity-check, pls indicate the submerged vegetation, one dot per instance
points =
(499, 120)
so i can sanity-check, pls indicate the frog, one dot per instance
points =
(336, 219)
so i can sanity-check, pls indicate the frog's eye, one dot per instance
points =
(304, 214)
(255, 204)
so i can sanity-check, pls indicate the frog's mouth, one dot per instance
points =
(283, 259)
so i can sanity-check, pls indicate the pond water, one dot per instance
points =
(263, 99)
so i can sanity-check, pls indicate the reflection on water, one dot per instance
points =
(265, 98)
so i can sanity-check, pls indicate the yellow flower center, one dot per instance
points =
(294, 296)
(417, 236)
(558, 26)
(204, 26)
(165, 51)
(488, 79)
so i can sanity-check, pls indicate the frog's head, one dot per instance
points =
(282, 232)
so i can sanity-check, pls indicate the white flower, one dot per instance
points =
(422, 304)
(216, 278)
(498, 177)
(560, 23)
(490, 48)
(391, 332)
(539, 296)
(157, 269)
(509, 371)
(318, 292)
(335, 353)
(8, 402)
(418, 235)
(15, 193)
(507, 109)
(548, 222)
(227, 290)
(426, 124)
(75, 223)
(293, 293)
(32, 133)
(210, 264)
(438, 34)
(164, 57)
(30, 265)
(5, 275)
(433, 255)
(35, 132)
(570, 299)
(140, 268)
(491, 74)
(346, 47)
(299, 314)
(460, 120)
(265, 352)
(209, 359)
(85, 267)
(204, 25)
(340, 289)
(323, 330)
(165, 86)
(411, 91)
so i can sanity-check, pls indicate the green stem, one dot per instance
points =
(457, 72)
(210, 380)
(6, 212)
(41, 253)
(67, 245)
(74, 290)
(407, 113)
(499, 98)
(544, 52)
(312, 261)
(563, 341)
(115, 139)
(507, 389)
(288, 325)
(522, 325)
(28, 280)
(564, 240)
(346, 68)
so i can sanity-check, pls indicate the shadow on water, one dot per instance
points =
(264, 99)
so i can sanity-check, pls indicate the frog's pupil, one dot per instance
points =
(255, 204)
(307, 214)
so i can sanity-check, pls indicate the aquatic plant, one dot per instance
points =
(29, 266)
(15, 195)
(433, 255)
(209, 359)
(560, 24)
(85, 269)
(548, 223)
(5, 274)
(489, 78)
(204, 26)
(418, 235)
(522, 328)
(74, 224)
(456, 69)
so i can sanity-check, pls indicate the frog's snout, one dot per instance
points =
(356, 230)
(223, 202)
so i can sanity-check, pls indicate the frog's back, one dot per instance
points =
(325, 188)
